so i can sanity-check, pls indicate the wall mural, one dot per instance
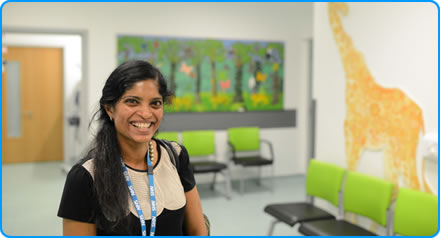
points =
(377, 118)
(213, 75)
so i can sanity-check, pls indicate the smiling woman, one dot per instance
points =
(127, 184)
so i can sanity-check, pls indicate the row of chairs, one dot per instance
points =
(413, 213)
(244, 145)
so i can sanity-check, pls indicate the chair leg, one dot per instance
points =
(259, 176)
(242, 183)
(227, 176)
(272, 178)
(272, 226)
(213, 181)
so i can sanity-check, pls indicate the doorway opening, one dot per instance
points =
(72, 90)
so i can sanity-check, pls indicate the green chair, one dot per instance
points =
(323, 180)
(168, 135)
(415, 213)
(201, 150)
(363, 195)
(245, 150)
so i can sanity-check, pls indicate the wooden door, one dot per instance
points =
(40, 137)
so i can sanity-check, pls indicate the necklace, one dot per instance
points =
(151, 150)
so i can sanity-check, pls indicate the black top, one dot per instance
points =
(78, 200)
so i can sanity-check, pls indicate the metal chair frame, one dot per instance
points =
(235, 155)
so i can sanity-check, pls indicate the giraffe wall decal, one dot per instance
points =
(377, 118)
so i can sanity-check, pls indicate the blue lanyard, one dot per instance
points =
(136, 201)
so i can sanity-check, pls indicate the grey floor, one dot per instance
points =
(31, 194)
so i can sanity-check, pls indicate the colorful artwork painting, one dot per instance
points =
(206, 75)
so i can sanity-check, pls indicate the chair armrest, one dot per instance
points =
(231, 149)
(267, 142)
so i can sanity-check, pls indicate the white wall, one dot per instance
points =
(287, 22)
(400, 47)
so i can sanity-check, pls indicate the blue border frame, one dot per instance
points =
(8, 1)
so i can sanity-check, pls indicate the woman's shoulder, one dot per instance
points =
(83, 167)
(79, 178)
(77, 202)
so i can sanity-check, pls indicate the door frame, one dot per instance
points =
(83, 82)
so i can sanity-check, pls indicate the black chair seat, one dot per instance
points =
(207, 167)
(332, 228)
(252, 161)
(292, 213)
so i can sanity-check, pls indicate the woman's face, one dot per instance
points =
(138, 113)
